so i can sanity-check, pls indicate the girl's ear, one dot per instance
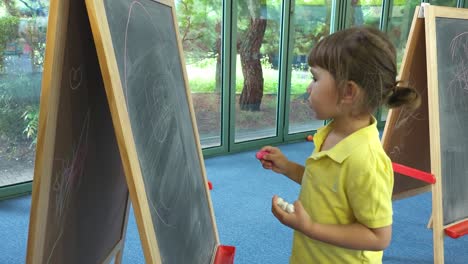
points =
(351, 93)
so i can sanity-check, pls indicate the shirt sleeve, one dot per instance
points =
(370, 193)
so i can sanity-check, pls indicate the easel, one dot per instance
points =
(421, 48)
(87, 163)
(74, 127)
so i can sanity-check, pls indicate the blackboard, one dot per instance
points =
(80, 197)
(141, 58)
(452, 72)
(406, 135)
(446, 46)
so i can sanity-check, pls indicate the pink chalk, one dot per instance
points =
(261, 153)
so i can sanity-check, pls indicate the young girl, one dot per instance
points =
(344, 210)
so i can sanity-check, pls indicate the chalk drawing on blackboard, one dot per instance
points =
(406, 117)
(395, 151)
(130, 13)
(68, 179)
(161, 128)
(158, 97)
(459, 55)
(72, 169)
(167, 196)
(76, 77)
(405, 124)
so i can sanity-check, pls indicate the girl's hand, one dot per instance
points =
(298, 220)
(275, 160)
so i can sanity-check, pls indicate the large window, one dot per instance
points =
(22, 43)
(200, 29)
(398, 27)
(257, 71)
(452, 3)
(399, 24)
(311, 22)
(364, 12)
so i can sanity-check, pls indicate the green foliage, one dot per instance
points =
(310, 2)
(31, 120)
(199, 27)
(7, 115)
(34, 32)
(21, 87)
(8, 32)
(19, 106)
(400, 2)
(270, 44)
(8, 29)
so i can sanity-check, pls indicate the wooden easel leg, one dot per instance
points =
(118, 257)
(438, 247)
(437, 224)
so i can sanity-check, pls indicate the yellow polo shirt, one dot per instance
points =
(351, 182)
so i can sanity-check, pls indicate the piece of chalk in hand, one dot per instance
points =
(279, 201)
(285, 205)
(261, 153)
(290, 208)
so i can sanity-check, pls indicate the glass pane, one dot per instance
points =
(22, 45)
(258, 37)
(452, 3)
(311, 22)
(200, 27)
(364, 12)
(399, 25)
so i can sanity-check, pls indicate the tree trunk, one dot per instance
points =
(252, 91)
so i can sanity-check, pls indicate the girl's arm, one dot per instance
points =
(294, 172)
(352, 236)
(276, 161)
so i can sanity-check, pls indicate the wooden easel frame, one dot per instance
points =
(430, 14)
(424, 29)
(58, 26)
(94, 14)
(121, 121)
(406, 132)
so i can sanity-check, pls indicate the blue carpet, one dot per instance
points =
(241, 197)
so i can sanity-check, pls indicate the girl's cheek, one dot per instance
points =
(312, 108)
(311, 102)
(309, 89)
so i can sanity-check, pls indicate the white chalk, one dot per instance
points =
(279, 201)
(285, 205)
(290, 208)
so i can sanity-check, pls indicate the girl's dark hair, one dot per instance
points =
(367, 57)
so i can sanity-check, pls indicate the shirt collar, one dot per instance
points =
(345, 147)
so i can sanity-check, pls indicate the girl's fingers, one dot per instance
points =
(267, 164)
